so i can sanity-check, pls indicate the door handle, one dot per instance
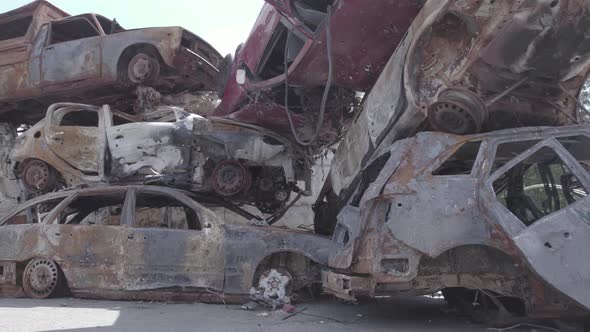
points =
(48, 48)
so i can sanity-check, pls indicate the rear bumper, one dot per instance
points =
(347, 287)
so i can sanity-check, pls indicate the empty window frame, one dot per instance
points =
(72, 29)
(35, 213)
(461, 162)
(94, 210)
(79, 118)
(162, 211)
(507, 151)
(538, 186)
(15, 28)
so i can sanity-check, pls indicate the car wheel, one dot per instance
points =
(458, 111)
(143, 68)
(39, 177)
(41, 278)
(273, 287)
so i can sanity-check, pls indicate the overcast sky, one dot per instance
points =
(223, 23)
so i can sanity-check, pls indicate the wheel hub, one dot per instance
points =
(40, 277)
(274, 287)
(37, 176)
(229, 178)
(458, 111)
(140, 69)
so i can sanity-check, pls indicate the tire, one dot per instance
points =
(42, 278)
(142, 68)
(38, 177)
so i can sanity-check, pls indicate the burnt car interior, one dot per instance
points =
(541, 184)
(81, 118)
(461, 161)
(72, 29)
(151, 211)
(35, 213)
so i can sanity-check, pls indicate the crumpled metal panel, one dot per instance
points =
(159, 146)
(415, 226)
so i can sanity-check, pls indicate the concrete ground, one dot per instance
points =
(417, 314)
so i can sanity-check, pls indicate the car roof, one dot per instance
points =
(92, 191)
(515, 133)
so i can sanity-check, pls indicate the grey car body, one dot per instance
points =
(505, 212)
(146, 242)
(79, 58)
(85, 145)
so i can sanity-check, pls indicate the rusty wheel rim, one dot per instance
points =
(229, 178)
(140, 68)
(275, 286)
(41, 278)
(37, 176)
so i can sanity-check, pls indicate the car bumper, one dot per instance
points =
(347, 287)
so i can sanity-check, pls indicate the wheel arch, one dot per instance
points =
(293, 260)
(128, 52)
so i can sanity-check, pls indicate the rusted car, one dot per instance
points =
(499, 219)
(152, 243)
(48, 56)
(299, 69)
(466, 67)
(85, 145)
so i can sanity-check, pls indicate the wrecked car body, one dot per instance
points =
(81, 145)
(89, 58)
(304, 58)
(148, 243)
(466, 67)
(497, 213)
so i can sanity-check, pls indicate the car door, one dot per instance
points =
(163, 147)
(172, 245)
(75, 134)
(72, 53)
(541, 202)
(85, 235)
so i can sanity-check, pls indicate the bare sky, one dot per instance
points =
(223, 23)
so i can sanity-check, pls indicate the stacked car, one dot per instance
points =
(459, 142)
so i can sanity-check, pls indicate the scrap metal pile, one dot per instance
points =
(461, 155)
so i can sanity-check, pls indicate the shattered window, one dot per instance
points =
(73, 29)
(15, 28)
(161, 211)
(538, 186)
(80, 118)
(94, 210)
(461, 162)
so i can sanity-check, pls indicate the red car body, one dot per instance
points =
(364, 35)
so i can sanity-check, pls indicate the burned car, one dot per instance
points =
(299, 69)
(48, 56)
(466, 67)
(151, 243)
(499, 219)
(82, 145)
